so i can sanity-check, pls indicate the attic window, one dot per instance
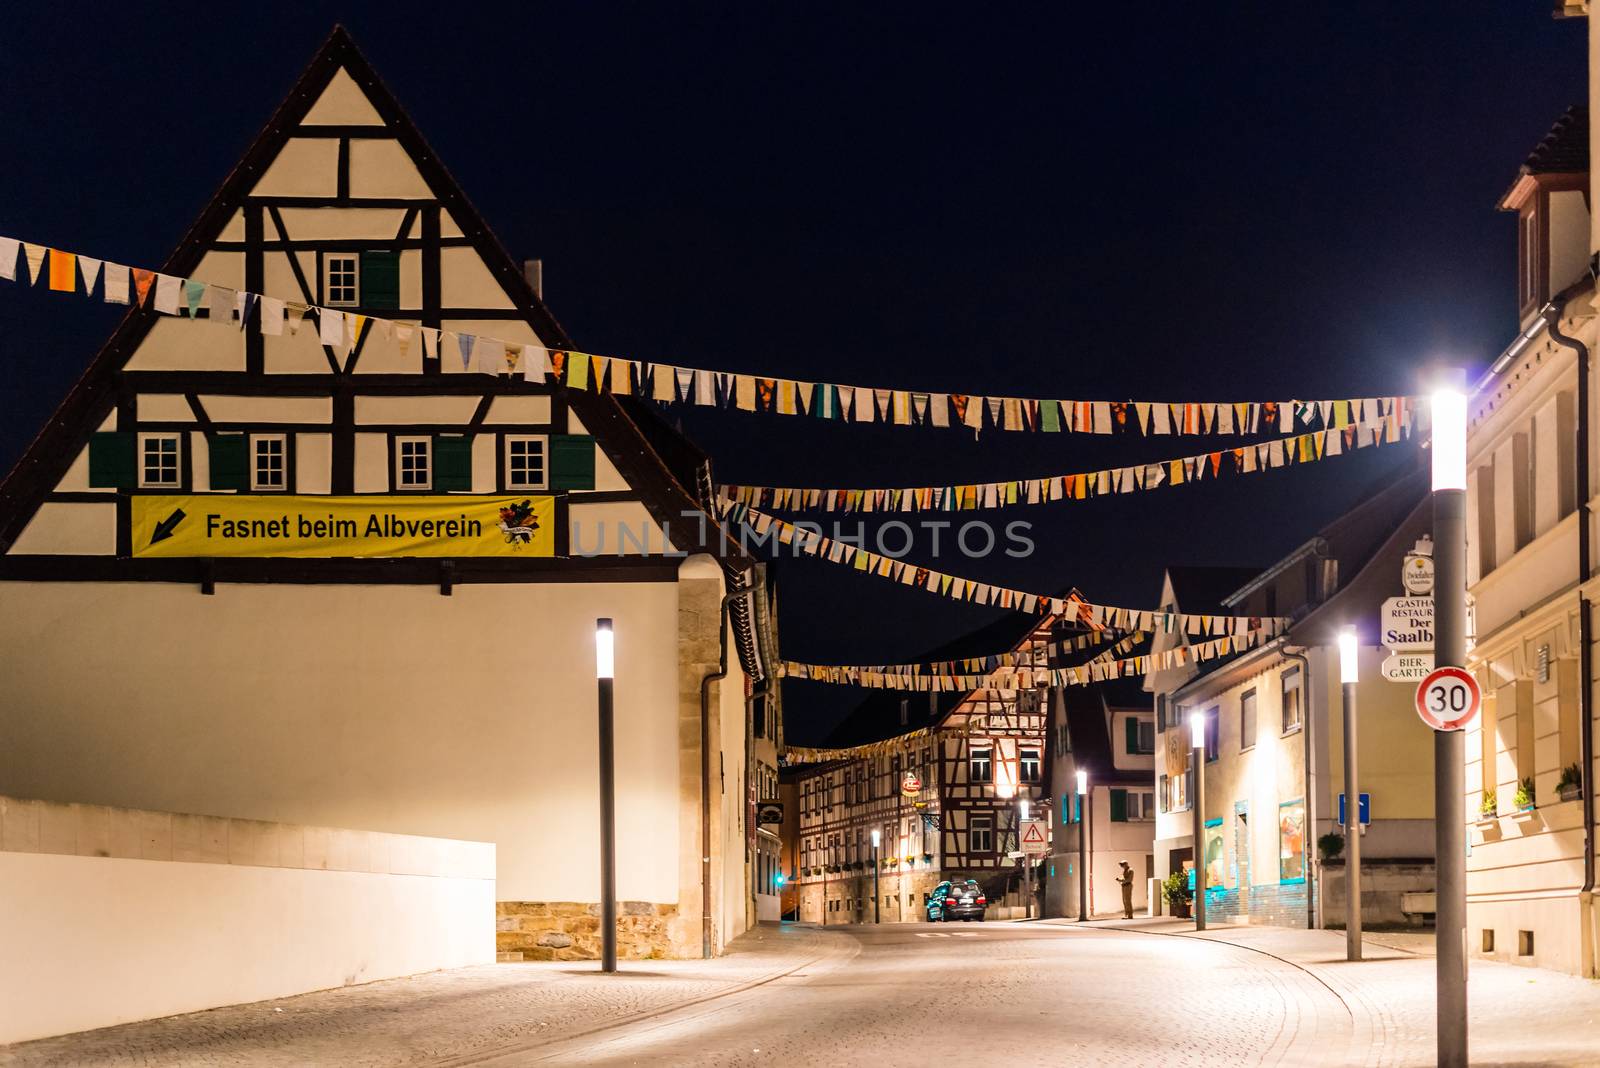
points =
(342, 281)
(158, 461)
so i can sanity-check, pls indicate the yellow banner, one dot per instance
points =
(262, 525)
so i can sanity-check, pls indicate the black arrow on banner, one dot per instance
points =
(165, 528)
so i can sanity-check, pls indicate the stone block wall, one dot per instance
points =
(1383, 884)
(570, 930)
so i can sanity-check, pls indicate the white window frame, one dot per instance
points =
(972, 831)
(988, 763)
(328, 261)
(1024, 759)
(400, 442)
(256, 485)
(148, 439)
(1146, 729)
(1291, 680)
(544, 461)
(1141, 805)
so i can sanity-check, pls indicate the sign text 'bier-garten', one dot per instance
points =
(263, 525)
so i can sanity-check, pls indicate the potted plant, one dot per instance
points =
(1331, 846)
(1570, 785)
(1523, 799)
(1176, 893)
(1489, 807)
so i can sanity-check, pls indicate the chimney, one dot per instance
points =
(533, 271)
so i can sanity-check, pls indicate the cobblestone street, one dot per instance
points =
(1144, 992)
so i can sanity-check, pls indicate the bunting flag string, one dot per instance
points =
(815, 543)
(1291, 451)
(1029, 656)
(1025, 678)
(1393, 416)
(800, 754)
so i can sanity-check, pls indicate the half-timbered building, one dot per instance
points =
(256, 568)
(941, 779)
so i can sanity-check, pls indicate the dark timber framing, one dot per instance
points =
(105, 387)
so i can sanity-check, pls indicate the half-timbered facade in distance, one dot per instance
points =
(351, 577)
(942, 787)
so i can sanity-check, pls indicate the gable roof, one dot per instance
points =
(666, 489)
(878, 715)
(1204, 589)
(1564, 150)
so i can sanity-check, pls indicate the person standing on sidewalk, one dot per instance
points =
(1125, 880)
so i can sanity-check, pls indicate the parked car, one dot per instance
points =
(957, 899)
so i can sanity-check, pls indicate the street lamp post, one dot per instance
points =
(877, 899)
(1349, 671)
(1197, 743)
(605, 672)
(1083, 850)
(1027, 863)
(1449, 747)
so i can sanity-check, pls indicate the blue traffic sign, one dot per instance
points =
(1366, 810)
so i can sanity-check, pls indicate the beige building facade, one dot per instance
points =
(1274, 746)
(1530, 870)
(410, 691)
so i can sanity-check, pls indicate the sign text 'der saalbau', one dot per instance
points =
(1408, 623)
(261, 525)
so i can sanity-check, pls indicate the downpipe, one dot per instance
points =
(1313, 899)
(1552, 318)
(705, 765)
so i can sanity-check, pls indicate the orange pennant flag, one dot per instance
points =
(142, 282)
(63, 271)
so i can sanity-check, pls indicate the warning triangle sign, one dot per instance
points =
(1033, 833)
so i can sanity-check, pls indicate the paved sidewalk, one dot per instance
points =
(440, 1018)
(1517, 1015)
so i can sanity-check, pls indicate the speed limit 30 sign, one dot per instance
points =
(1448, 699)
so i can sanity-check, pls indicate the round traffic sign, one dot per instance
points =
(1448, 699)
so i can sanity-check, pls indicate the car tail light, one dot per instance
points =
(951, 901)
(982, 900)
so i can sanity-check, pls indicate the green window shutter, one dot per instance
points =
(452, 462)
(112, 461)
(380, 279)
(1132, 730)
(1119, 806)
(228, 465)
(571, 462)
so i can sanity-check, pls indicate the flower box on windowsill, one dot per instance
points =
(1487, 826)
(1572, 793)
(1525, 815)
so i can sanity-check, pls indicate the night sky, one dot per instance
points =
(1284, 201)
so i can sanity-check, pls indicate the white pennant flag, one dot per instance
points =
(116, 283)
(330, 327)
(8, 258)
(91, 271)
(430, 343)
(271, 312)
(34, 254)
(535, 362)
(167, 294)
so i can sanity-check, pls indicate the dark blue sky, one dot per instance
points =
(1232, 202)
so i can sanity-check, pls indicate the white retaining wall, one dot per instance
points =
(111, 915)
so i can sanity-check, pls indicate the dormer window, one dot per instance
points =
(1551, 199)
(1528, 260)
